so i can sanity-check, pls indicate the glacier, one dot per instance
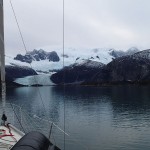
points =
(42, 79)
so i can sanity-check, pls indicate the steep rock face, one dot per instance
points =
(77, 73)
(13, 72)
(26, 58)
(52, 56)
(129, 69)
(37, 55)
(145, 54)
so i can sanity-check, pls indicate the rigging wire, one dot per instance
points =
(18, 26)
(64, 87)
(63, 36)
(25, 48)
(54, 138)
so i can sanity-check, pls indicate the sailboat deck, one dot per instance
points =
(25, 123)
(9, 136)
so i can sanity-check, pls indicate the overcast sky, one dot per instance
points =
(118, 24)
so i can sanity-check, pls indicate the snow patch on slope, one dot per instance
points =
(90, 64)
(77, 55)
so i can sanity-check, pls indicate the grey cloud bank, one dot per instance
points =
(88, 23)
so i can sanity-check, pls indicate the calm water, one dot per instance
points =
(96, 118)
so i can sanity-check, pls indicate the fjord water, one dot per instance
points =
(96, 118)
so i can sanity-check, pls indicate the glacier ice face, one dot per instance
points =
(41, 79)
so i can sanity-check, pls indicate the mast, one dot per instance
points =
(2, 60)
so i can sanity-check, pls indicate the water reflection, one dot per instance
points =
(97, 117)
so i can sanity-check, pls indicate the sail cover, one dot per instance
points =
(34, 141)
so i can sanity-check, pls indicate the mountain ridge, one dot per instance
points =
(123, 67)
(133, 68)
(43, 61)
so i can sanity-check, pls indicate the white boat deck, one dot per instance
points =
(9, 136)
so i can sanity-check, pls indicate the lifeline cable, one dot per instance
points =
(18, 118)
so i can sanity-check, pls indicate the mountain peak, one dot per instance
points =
(37, 55)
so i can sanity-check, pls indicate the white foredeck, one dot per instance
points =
(9, 136)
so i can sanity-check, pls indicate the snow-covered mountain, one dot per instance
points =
(85, 62)
(45, 62)
(145, 54)
(133, 68)
(77, 73)
(38, 55)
